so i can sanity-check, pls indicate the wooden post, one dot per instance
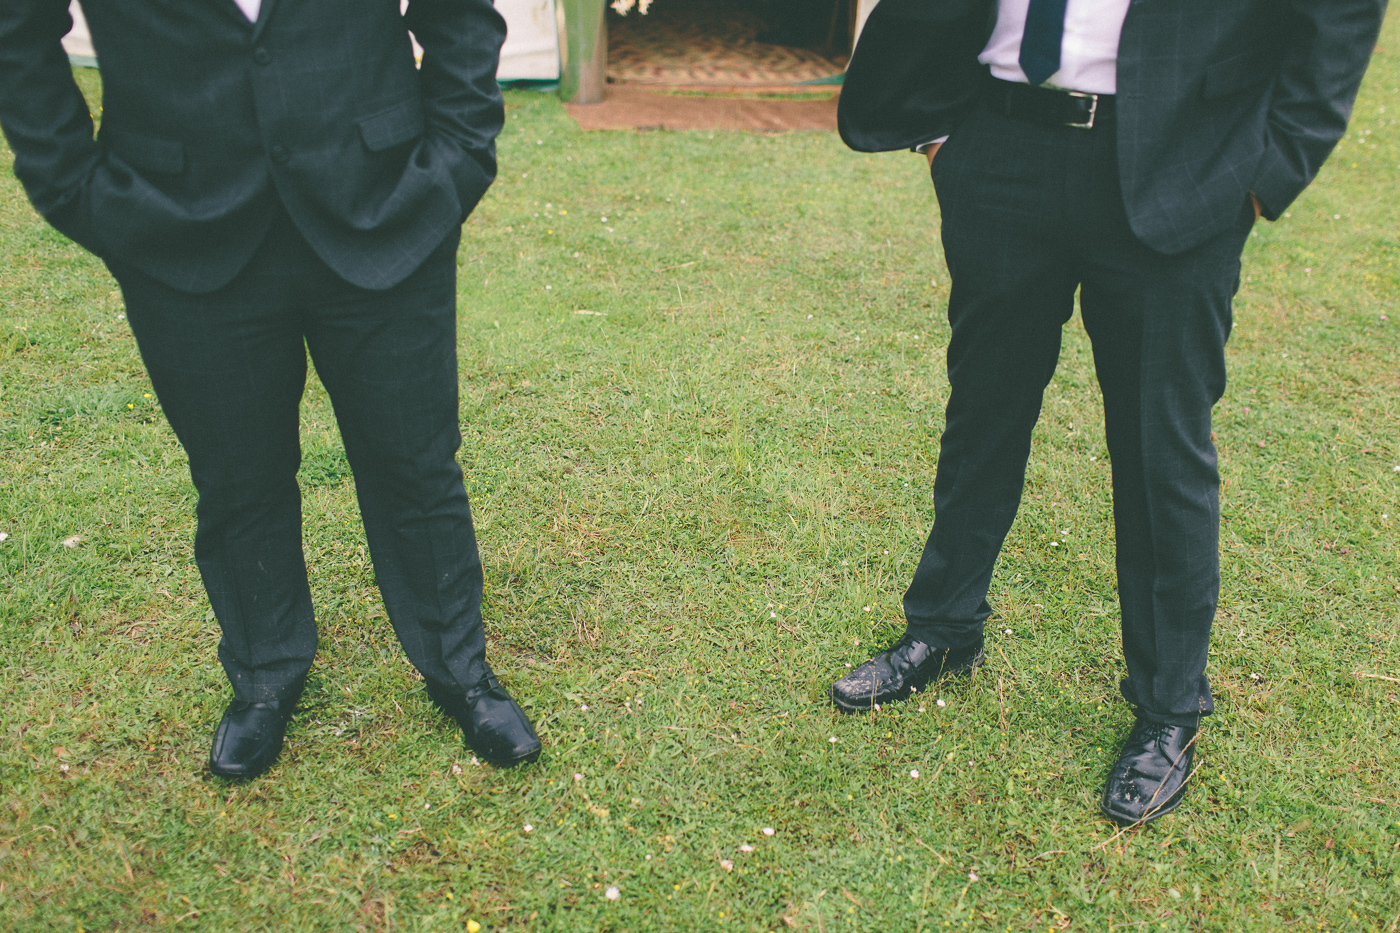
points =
(583, 48)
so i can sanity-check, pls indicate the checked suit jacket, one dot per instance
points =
(1216, 98)
(209, 121)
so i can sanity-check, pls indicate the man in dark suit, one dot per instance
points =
(1121, 149)
(274, 176)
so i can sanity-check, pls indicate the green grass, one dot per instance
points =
(698, 502)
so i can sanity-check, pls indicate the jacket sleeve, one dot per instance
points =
(461, 42)
(914, 74)
(1312, 95)
(44, 115)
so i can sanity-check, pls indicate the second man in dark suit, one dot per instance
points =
(1120, 149)
(273, 177)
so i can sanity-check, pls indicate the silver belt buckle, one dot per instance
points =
(1093, 109)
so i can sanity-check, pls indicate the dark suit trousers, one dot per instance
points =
(1031, 214)
(229, 369)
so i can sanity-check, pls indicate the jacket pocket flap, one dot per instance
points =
(1235, 73)
(399, 124)
(151, 153)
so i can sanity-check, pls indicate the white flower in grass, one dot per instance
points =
(73, 541)
(578, 776)
(4, 535)
(914, 773)
(612, 894)
(972, 876)
(726, 864)
(528, 828)
(832, 740)
(941, 703)
(768, 830)
(746, 848)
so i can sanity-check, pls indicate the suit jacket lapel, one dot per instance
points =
(263, 13)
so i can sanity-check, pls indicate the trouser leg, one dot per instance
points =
(389, 362)
(229, 369)
(1159, 325)
(1012, 291)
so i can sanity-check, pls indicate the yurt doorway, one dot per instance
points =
(730, 45)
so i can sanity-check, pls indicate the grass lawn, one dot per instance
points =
(702, 387)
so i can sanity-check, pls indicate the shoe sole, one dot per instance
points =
(502, 763)
(961, 670)
(248, 772)
(242, 775)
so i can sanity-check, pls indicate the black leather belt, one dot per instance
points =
(1049, 106)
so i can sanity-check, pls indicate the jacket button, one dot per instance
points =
(279, 154)
(262, 56)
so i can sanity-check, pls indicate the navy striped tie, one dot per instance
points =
(1040, 44)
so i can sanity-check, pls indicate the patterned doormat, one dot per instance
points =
(708, 44)
(642, 108)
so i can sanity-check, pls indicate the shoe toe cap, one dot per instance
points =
(858, 686)
(247, 742)
(501, 733)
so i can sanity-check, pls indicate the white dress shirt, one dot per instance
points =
(250, 8)
(1088, 54)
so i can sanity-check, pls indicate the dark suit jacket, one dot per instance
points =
(1216, 98)
(208, 120)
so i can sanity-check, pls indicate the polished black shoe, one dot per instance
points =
(493, 724)
(1150, 776)
(895, 673)
(249, 737)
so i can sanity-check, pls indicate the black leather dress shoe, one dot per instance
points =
(249, 737)
(493, 724)
(1150, 776)
(897, 672)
